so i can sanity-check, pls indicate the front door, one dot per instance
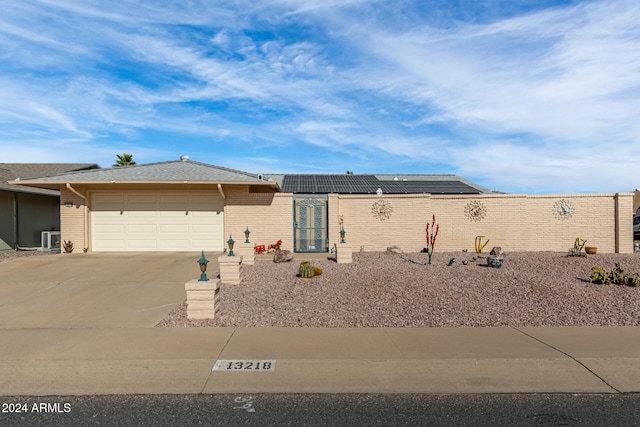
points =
(310, 224)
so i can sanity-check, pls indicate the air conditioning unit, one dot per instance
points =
(50, 240)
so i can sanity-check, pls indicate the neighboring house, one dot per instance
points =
(189, 206)
(25, 211)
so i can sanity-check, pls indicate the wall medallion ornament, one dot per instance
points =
(382, 209)
(475, 210)
(563, 209)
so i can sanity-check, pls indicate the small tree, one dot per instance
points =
(431, 239)
(124, 159)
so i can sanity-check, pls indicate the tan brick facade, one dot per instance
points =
(514, 222)
(269, 216)
(73, 220)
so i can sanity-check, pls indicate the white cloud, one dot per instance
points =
(547, 98)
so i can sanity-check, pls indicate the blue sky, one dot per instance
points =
(522, 96)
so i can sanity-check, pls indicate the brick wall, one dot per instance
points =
(269, 216)
(515, 222)
(72, 219)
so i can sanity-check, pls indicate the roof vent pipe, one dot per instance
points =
(184, 158)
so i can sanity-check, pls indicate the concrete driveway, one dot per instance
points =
(95, 289)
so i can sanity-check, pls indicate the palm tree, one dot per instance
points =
(124, 159)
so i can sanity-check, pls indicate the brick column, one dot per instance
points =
(201, 298)
(344, 255)
(230, 269)
(247, 251)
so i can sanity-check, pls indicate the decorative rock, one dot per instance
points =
(452, 262)
(497, 252)
(394, 249)
(494, 261)
(465, 262)
(282, 255)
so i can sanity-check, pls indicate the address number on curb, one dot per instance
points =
(245, 365)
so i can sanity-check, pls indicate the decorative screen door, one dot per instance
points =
(310, 224)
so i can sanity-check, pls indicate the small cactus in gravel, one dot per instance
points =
(616, 276)
(308, 271)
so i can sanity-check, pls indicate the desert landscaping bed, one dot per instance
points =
(382, 289)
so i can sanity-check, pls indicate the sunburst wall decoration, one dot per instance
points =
(475, 210)
(382, 210)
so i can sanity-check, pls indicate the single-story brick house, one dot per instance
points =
(25, 212)
(189, 206)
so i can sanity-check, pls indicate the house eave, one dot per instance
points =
(57, 185)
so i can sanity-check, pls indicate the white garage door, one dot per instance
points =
(157, 221)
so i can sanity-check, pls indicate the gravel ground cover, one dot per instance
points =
(9, 255)
(382, 289)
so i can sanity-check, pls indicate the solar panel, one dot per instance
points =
(324, 184)
(432, 187)
(368, 184)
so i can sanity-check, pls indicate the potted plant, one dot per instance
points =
(496, 257)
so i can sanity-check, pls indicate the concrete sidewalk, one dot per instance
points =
(83, 361)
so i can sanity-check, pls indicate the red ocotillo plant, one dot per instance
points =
(431, 238)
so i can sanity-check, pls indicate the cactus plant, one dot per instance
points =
(599, 276)
(306, 271)
(616, 276)
(479, 245)
(579, 244)
(576, 250)
(431, 239)
(633, 281)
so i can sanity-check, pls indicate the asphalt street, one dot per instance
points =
(535, 410)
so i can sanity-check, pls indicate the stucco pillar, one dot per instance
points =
(230, 269)
(201, 298)
(344, 255)
(624, 223)
(247, 251)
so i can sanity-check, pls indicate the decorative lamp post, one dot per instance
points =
(203, 268)
(230, 242)
(342, 233)
(246, 235)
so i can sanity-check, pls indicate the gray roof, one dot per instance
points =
(185, 170)
(173, 171)
(369, 184)
(13, 171)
